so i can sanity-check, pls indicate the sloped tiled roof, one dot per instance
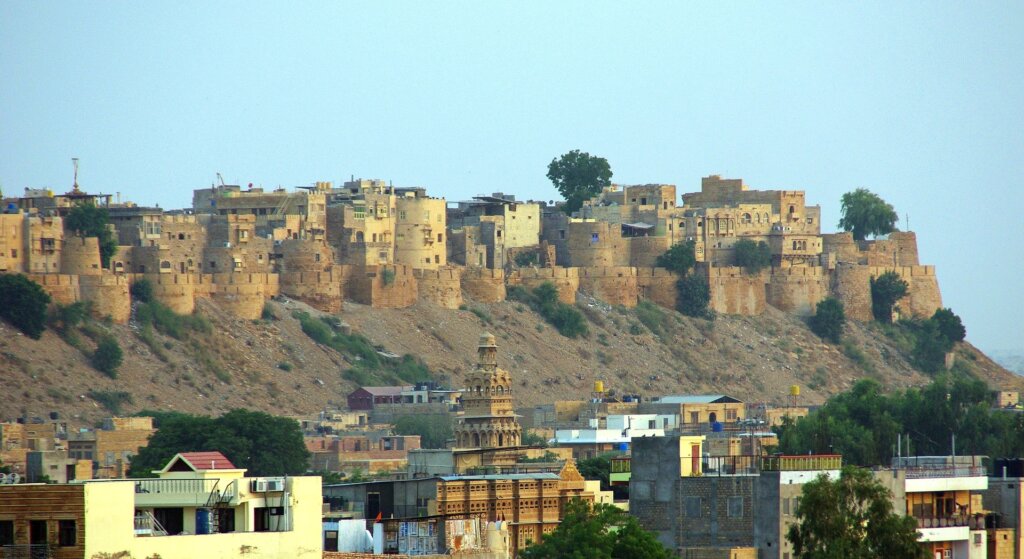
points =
(211, 460)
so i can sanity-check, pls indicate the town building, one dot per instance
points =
(209, 507)
(944, 495)
(719, 506)
(698, 412)
(363, 453)
(494, 229)
(111, 447)
(613, 434)
(1004, 499)
(365, 398)
(532, 504)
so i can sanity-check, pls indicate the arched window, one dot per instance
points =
(712, 417)
(745, 218)
(165, 265)
(476, 439)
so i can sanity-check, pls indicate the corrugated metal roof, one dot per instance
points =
(387, 390)
(698, 399)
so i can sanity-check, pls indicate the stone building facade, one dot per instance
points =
(489, 419)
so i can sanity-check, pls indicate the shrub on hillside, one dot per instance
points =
(23, 304)
(142, 291)
(693, 295)
(828, 320)
(107, 357)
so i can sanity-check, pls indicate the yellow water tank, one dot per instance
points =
(598, 386)
(794, 390)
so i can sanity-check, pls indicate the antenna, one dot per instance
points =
(74, 161)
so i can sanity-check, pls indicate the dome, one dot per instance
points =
(488, 340)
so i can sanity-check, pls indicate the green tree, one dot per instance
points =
(533, 439)
(264, 444)
(142, 290)
(930, 347)
(434, 429)
(107, 357)
(886, 289)
(88, 220)
(597, 532)
(829, 319)
(865, 213)
(949, 325)
(752, 257)
(23, 304)
(680, 258)
(693, 295)
(852, 518)
(579, 176)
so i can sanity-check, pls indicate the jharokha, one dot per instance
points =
(386, 246)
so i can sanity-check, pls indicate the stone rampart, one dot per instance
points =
(176, 291)
(566, 280)
(483, 284)
(797, 289)
(320, 290)
(923, 296)
(644, 251)
(842, 245)
(906, 242)
(382, 287)
(732, 291)
(657, 285)
(240, 294)
(851, 284)
(81, 256)
(63, 289)
(613, 285)
(109, 296)
(443, 286)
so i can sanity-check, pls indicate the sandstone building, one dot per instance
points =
(489, 419)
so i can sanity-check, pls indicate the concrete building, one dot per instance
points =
(613, 434)
(478, 461)
(498, 224)
(111, 448)
(1004, 498)
(937, 492)
(719, 507)
(365, 398)
(698, 411)
(209, 507)
(531, 503)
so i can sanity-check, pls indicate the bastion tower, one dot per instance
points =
(489, 420)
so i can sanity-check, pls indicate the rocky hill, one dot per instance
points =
(272, 365)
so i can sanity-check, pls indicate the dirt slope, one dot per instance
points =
(243, 363)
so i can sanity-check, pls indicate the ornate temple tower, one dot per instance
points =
(489, 420)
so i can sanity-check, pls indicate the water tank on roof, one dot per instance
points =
(203, 517)
(623, 447)
(717, 427)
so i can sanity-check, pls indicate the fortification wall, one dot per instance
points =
(109, 296)
(367, 286)
(644, 251)
(734, 292)
(615, 285)
(240, 294)
(176, 291)
(906, 242)
(320, 290)
(81, 256)
(851, 285)
(566, 280)
(443, 286)
(63, 289)
(923, 296)
(657, 285)
(881, 252)
(797, 289)
(593, 244)
(305, 255)
(842, 245)
(483, 284)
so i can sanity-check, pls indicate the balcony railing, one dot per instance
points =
(176, 486)
(953, 521)
(26, 551)
(798, 463)
(922, 472)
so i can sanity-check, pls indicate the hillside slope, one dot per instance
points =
(273, 366)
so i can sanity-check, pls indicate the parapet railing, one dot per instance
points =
(176, 486)
(797, 463)
(921, 472)
(26, 551)
(952, 521)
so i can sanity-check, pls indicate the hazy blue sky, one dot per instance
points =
(920, 102)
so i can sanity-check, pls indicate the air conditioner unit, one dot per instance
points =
(267, 485)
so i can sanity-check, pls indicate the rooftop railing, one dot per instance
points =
(800, 463)
(176, 486)
(923, 472)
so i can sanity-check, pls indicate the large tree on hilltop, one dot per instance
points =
(852, 518)
(865, 213)
(579, 176)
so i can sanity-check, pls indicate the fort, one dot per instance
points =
(388, 247)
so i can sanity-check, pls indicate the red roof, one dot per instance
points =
(207, 460)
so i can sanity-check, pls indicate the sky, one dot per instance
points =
(920, 102)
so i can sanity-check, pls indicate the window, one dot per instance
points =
(735, 507)
(561, 234)
(594, 237)
(401, 215)
(359, 212)
(226, 521)
(67, 533)
(37, 532)
(6, 532)
(440, 237)
(730, 415)
(426, 216)
(14, 253)
(693, 507)
(785, 506)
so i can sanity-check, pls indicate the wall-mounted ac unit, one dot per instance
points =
(267, 485)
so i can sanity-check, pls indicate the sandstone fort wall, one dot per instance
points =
(442, 287)
(483, 284)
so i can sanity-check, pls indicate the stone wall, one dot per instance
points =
(109, 296)
(443, 286)
(906, 241)
(176, 291)
(595, 244)
(733, 291)
(797, 289)
(63, 289)
(613, 285)
(657, 285)
(566, 280)
(483, 285)
(320, 290)
(851, 285)
(367, 286)
(243, 295)
(644, 251)
(81, 256)
(923, 297)
(842, 245)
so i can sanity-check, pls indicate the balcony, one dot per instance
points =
(923, 472)
(952, 521)
(185, 492)
(799, 463)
